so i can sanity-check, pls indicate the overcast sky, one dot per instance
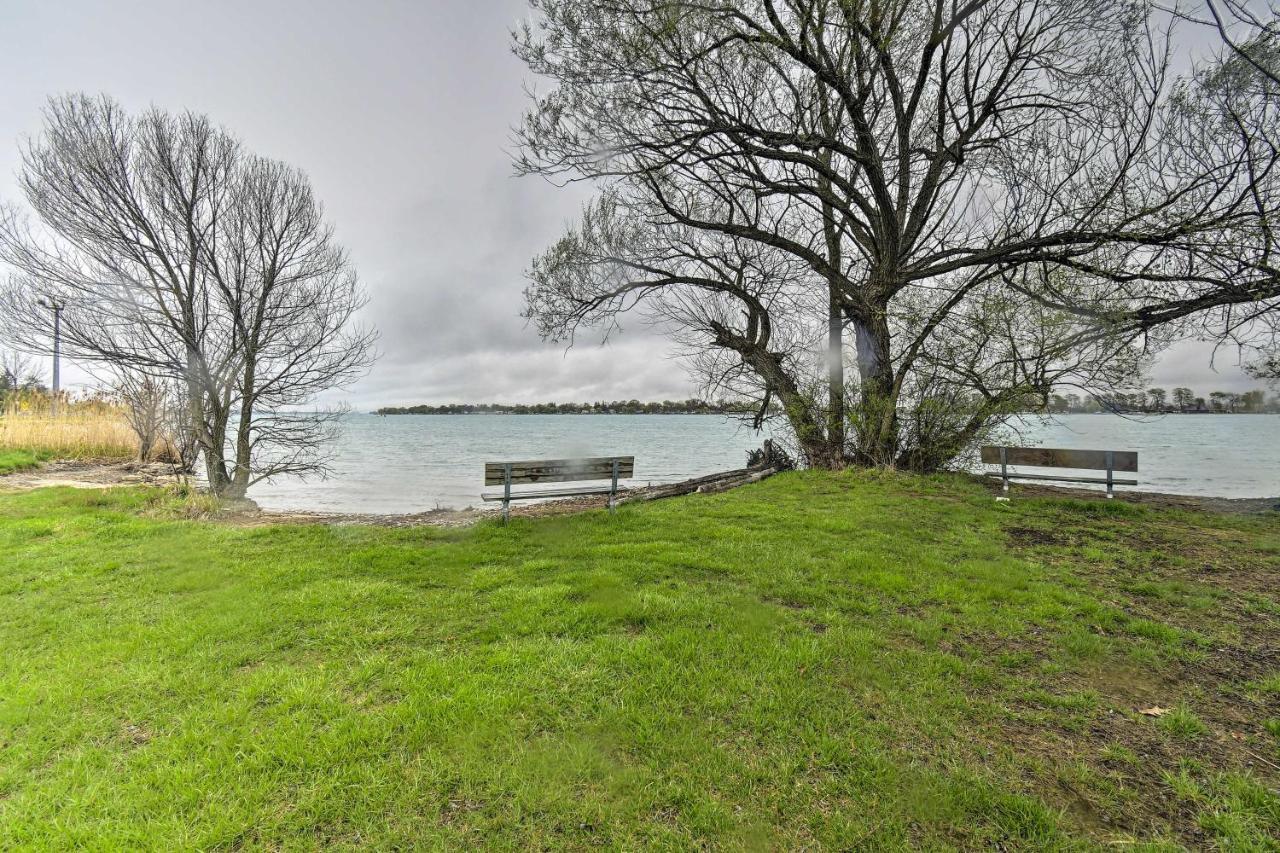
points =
(401, 112)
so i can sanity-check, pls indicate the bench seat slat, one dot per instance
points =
(1013, 475)
(533, 494)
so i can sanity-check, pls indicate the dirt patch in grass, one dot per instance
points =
(89, 474)
(1026, 537)
(1112, 766)
(1121, 771)
(136, 734)
(1107, 795)
(431, 518)
(1086, 746)
(441, 517)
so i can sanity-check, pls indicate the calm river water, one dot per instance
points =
(411, 463)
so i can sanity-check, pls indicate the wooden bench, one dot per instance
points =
(508, 474)
(1110, 461)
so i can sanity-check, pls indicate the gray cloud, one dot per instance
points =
(401, 113)
(1203, 368)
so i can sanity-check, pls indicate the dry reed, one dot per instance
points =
(91, 428)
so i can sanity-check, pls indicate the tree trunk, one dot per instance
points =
(244, 435)
(238, 486)
(835, 320)
(209, 425)
(215, 466)
(815, 446)
(835, 373)
(213, 446)
(877, 415)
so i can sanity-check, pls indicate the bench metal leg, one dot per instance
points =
(1004, 469)
(1111, 468)
(613, 487)
(506, 493)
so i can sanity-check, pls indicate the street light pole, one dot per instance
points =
(57, 348)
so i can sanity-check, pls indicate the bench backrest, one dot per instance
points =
(559, 470)
(1047, 457)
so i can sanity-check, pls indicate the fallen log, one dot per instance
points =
(707, 484)
(735, 482)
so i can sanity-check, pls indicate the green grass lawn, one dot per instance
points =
(826, 661)
(12, 461)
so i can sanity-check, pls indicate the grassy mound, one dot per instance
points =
(818, 660)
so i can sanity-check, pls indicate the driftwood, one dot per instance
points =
(720, 482)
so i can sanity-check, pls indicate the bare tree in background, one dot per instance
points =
(17, 374)
(17, 371)
(180, 432)
(145, 400)
(180, 255)
(992, 197)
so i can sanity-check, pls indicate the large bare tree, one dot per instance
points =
(179, 254)
(993, 196)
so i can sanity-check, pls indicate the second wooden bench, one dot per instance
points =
(533, 471)
(1110, 461)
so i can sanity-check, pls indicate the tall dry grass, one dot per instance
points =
(89, 428)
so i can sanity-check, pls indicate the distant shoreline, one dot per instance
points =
(1142, 412)
(399, 412)
(691, 406)
(557, 414)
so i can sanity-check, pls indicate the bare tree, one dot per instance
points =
(181, 444)
(145, 400)
(17, 373)
(157, 411)
(996, 196)
(178, 254)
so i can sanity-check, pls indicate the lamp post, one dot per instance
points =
(56, 307)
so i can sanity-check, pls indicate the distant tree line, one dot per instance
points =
(615, 407)
(1160, 400)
